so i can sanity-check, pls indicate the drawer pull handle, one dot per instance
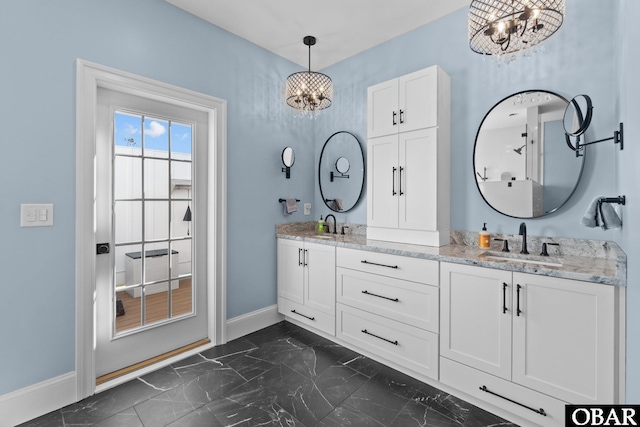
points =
(380, 296)
(364, 261)
(537, 411)
(303, 315)
(380, 338)
(518, 311)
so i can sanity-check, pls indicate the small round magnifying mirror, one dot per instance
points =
(343, 165)
(577, 115)
(288, 157)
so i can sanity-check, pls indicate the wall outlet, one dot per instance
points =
(307, 208)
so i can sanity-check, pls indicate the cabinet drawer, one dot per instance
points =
(408, 302)
(470, 380)
(399, 267)
(308, 316)
(405, 345)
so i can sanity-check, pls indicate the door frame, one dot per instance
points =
(90, 76)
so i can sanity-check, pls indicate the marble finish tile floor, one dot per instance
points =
(282, 375)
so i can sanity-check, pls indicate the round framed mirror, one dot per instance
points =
(521, 163)
(288, 157)
(577, 115)
(341, 171)
(343, 165)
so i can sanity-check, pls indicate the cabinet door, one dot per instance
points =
(418, 180)
(418, 100)
(564, 338)
(290, 270)
(475, 317)
(382, 182)
(320, 278)
(382, 109)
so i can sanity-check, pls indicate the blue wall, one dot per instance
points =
(40, 43)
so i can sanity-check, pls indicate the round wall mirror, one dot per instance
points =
(341, 171)
(521, 163)
(577, 115)
(343, 165)
(288, 157)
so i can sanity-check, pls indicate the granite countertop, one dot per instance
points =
(588, 260)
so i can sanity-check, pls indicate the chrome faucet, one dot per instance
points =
(335, 224)
(523, 233)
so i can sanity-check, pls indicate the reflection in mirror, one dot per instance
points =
(522, 165)
(288, 159)
(341, 153)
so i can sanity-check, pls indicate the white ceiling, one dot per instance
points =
(342, 28)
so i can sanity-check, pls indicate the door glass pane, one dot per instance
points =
(156, 179)
(153, 192)
(156, 302)
(128, 265)
(128, 221)
(127, 176)
(127, 134)
(156, 138)
(181, 298)
(181, 138)
(128, 311)
(156, 220)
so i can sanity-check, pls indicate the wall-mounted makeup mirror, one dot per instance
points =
(521, 162)
(577, 118)
(288, 159)
(341, 171)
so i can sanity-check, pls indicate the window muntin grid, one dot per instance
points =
(153, 171)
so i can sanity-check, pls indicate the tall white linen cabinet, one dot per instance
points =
(408, 158)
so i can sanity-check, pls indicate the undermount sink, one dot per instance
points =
(523, 258)
(323, 236)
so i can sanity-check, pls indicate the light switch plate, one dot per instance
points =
(307, 208)
(40, 215)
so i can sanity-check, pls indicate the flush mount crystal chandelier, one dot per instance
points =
(307, 91)
(505, 27)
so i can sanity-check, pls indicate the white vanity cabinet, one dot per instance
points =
(536, 340)
(388, 306)
(408, 164)
(404, 104)
(307, 283)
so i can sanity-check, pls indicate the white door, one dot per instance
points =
(320, 277)
(475, 317)
(151, 191)
(564, 338)
(382, 181)
(418, 180)
(291, 260)
(382, 109)
(418, 100)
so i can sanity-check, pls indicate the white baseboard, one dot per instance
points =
(31, 402)
(254, 321)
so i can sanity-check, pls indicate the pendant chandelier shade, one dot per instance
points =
(503, 27)
(309, 91)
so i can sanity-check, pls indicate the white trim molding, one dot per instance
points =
(89, 77)
(254, 321)
(36, 400)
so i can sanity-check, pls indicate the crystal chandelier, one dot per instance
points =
(307, 91)
(502, 28)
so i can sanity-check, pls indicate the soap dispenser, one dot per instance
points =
(484, 238)
(320, 226)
